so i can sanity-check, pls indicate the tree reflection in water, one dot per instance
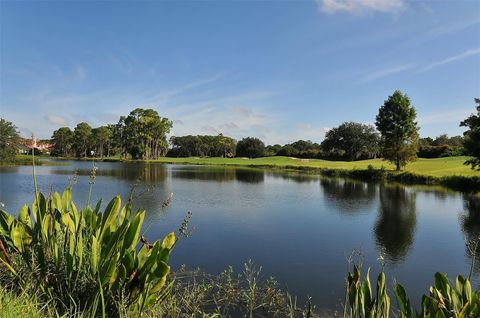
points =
(470, 225)
(395, 226)
(217, 174)
(250, 175)
(350, 196)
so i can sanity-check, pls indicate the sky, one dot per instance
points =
(277, 70)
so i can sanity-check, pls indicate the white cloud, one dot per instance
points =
(209, 130)
(228, 126)
(242, 111)
(56, 120)
(361, 6)
(389, 71)
(445, 117)
(217, 116)
(451, 59)
(178, 122)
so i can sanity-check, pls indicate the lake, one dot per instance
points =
(299, 227)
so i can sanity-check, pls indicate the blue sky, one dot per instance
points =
(279, 70)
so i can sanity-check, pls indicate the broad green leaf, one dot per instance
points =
(142, 256)
(107, 270)
(169, 241)
(162, 270)
(95, 255)
(46, 228)
(24, 216)
(17, 237)
(68, 222)
(80, 247)
(468, 290)
(129, 262)
(56, 202)
(111, 213)
(66, 199)
(131, 238)
(5, 221)
(158, 286)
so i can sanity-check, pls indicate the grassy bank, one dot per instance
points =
(439, 167)
(449, 172)
(26, 160)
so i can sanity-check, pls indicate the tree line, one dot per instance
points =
(142, 134)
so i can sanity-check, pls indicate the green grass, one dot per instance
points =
(22, 306)
(438, 167)
(26, 160)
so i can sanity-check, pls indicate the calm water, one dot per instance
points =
(300, 228)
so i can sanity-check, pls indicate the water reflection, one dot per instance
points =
(149, 173)
(351, 196)
(250, 176)
(209, 174)
(395, 226)
(296, 176)
(470, 224)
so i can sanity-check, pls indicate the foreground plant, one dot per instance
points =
(84, 260)
(444, 299)
(229, 294)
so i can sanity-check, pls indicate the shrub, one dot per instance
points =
(443, 300)
(84, 260)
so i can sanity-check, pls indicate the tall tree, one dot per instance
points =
(82, 139)
(250, 147)
(62, 139)
(398, 129)
(471, 140)
(9, 139)
(120, 137)
(102, 139)
(354, 140)
(146, 134)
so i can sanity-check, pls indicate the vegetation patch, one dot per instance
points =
(84, 260)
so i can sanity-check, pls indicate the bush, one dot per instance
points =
(83, 260)
(250, 147)
(440, 151)
(444, 299)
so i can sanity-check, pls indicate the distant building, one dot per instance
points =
(44, 146)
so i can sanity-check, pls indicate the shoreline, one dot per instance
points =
(365, 170)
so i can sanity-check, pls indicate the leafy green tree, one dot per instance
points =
(272, 150)
(201, 146)
(303, 145)
(146, 134)
(441, 140)
(82, 139)
(399, 132)
(9, 139)
(425, 142)
(354, 140)
(250, 147)
(441, 146)
(288, 151)
(119, 140)
(472, 137)
(62, 139)
(226, 146)
(102, 140)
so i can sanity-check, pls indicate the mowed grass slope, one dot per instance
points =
(438, 167)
